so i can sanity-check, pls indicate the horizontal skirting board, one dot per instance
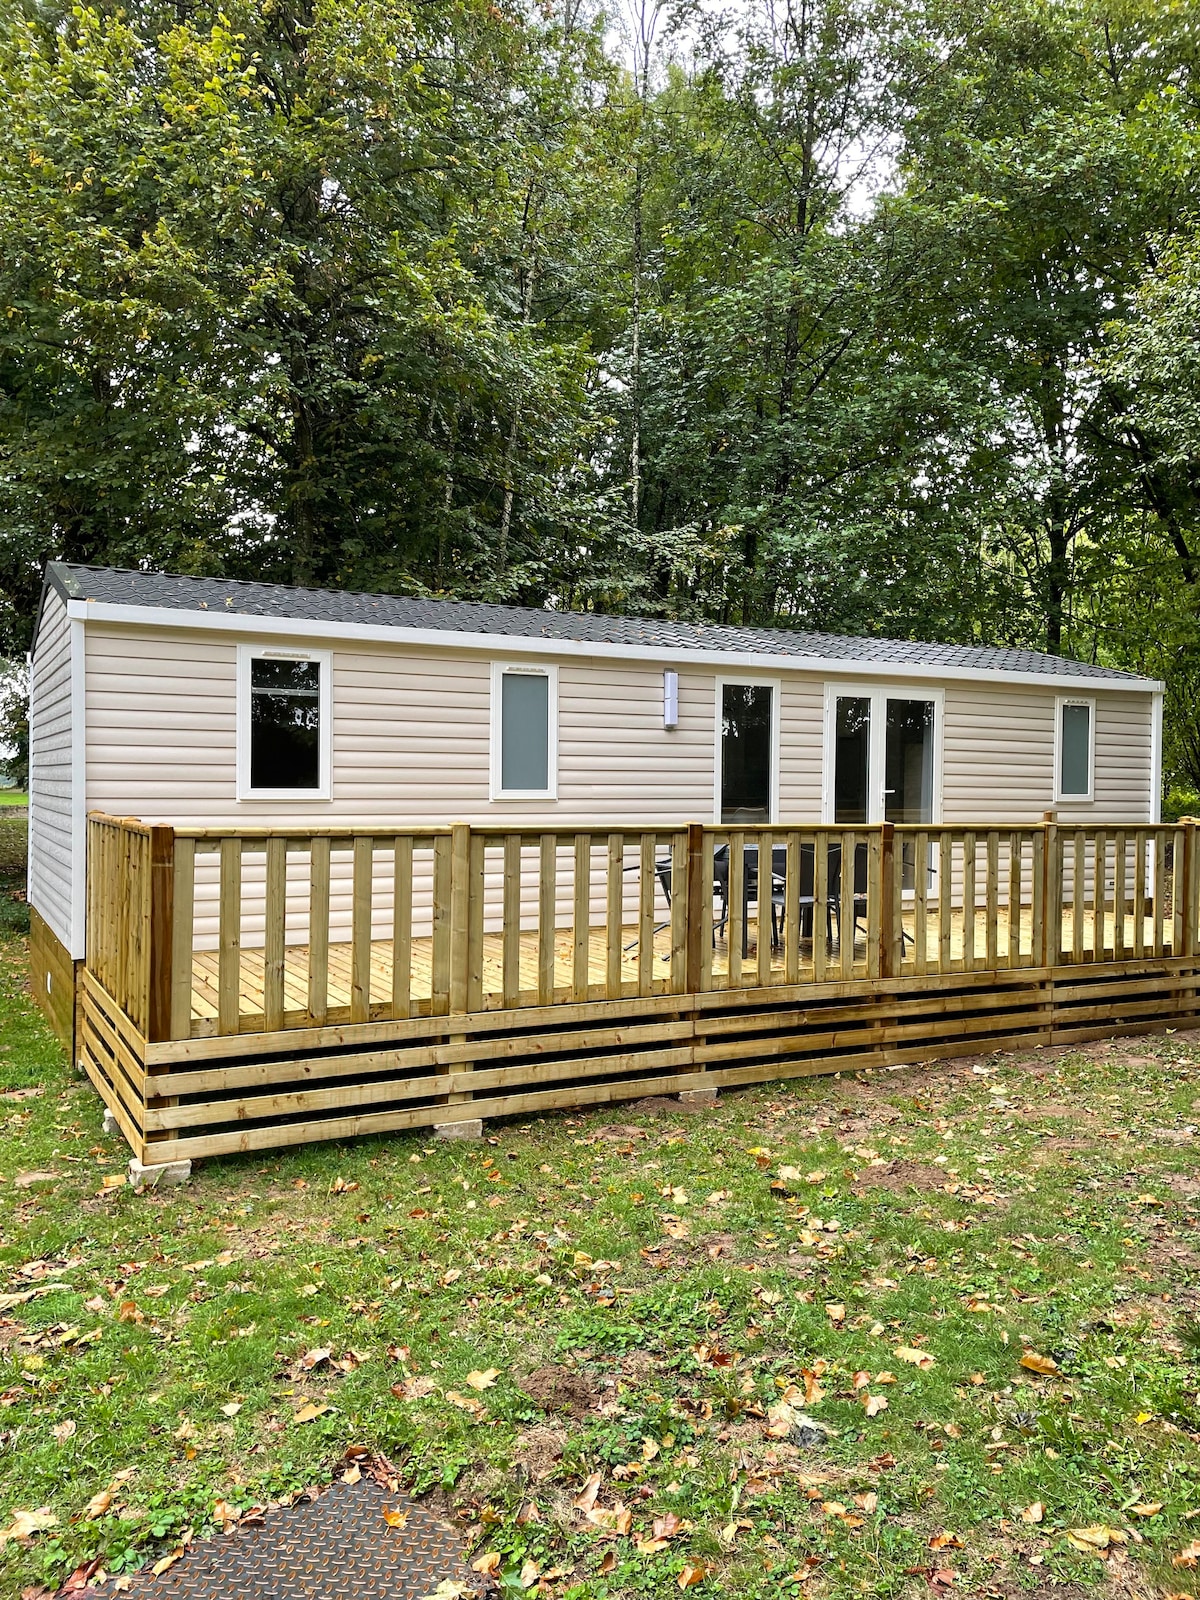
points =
(187, 1100)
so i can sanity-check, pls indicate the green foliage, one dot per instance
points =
(860, 315)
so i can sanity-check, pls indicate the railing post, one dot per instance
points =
(460, 910)
(697, 903)
(1186, 877)
(1051, 893)
(161, 932)
(887, 899)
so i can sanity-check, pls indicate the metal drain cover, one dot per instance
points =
(336, 1547)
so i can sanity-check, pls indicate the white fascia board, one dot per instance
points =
(505, 644)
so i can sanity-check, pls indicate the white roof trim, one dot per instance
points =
(504, 644)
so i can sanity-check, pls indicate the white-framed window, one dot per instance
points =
(1074, 747)
(524, 732)
(746, 715)
(883, 754)
(284, 724)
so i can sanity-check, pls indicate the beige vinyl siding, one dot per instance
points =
(411, 740)
(51, 850)
(999, 751)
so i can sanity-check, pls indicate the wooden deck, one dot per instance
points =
(990, 951)
(237, 996)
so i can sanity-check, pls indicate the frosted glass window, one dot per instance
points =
(525, 732)
(1075, 751)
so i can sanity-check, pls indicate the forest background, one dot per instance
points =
(869, 316)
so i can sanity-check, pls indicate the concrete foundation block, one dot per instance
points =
(111, 1125)
(697, 1098)
(167, 1176)
(469, 1128)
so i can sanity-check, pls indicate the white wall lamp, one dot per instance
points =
(670, 699)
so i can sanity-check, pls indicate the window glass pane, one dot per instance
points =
(285, 724)
(1076, 773)
(851, 756)
(908, 762)
(745, 752)
(524, 730)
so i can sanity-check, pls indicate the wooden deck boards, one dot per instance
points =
(296, 963)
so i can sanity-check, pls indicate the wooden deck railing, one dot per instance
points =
(201, 931)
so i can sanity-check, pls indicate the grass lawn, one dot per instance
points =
(928, 1331)
(13, 797)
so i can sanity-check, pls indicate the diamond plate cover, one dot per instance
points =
(336, 1547)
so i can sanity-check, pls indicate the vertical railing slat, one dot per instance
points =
(735, 928)
(318, 929)
(791, 909)
(763, 949)
(645, 936)
(402, 908)
(547, 913)
(363, 855)
(614, 915)
(229, 937)
(183, 932)
(275, 932)
(679, 911)
(820, 941)
(1120, 852)
(581, 916)
(510, 931)
(440, 953)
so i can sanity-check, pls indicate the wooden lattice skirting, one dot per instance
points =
(217, 1096)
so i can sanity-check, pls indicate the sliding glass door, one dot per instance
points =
(881, 757)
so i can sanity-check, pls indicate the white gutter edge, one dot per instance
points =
(494, 644)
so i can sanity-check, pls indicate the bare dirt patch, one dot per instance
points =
(539, 1450)
(901, 1177)
(560, 1389)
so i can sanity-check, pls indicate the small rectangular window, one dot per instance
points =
(524, 763)
(285, 724)
(284, 731)
(1075, 750)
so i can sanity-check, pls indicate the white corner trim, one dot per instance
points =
(1156, 746)
(877, 744)
(79, 800)
(1076, 700)
(496, 790)
(776, 687)
(729, 661)
(324, 790)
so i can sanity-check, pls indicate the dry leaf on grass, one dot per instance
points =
(1188, 1556)
(483, 1380)
(417, 1388)
(488, 1565)
(25, 1524)
(586, 1497)
(98, 1504)
(310, 1412)
(1033, 1362)
(916, 1358)
(695, 1572)
(1146, 1508)
(1034, 1512)
(873, 1404)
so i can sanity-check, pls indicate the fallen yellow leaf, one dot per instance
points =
(1033, 1362)
(483, 1380)
(916, 1358)
(310, 1412)
(1034, 1512)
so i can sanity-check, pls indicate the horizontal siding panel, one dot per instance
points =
(411, 741)
(51, 790)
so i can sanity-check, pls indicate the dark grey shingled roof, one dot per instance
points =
(162, 589)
